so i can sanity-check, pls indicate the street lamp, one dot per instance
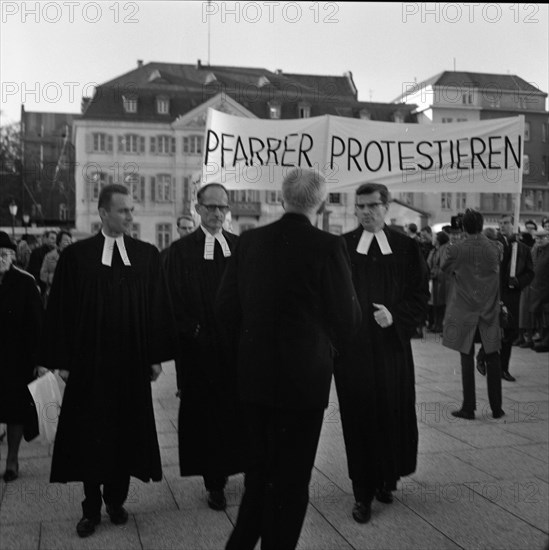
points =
(26, 220)
(13, 212)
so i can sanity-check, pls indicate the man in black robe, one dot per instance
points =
(286, 301)
(109, 325)
(375, 375)
(208, 439)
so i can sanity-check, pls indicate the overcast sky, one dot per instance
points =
(53, 52)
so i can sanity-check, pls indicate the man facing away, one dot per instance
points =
(375, 376)
(109, 326)
(287, 300)
(208, 436)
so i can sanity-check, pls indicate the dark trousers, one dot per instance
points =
(493, 378)
(282, 452)
(114, 493)
(509, 336)
(215, 482)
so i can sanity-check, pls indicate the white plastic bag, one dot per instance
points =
(47, 398)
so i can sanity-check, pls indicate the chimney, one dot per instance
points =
(278, 71)
(198, 64)
(139, 63)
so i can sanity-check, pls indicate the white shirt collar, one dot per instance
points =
(367, 238)
(209, 244)
(108, 247)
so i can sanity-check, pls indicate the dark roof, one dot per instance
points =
(188, 86)
(482, 81)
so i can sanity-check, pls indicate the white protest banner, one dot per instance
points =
(483, 156)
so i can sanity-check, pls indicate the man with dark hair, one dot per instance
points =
(208, 434)
(109, 326)
(472, 310)
(286, 300)
(185, 225)
(375, 376)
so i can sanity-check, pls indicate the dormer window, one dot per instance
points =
(263, 81)
(130, 104)
(274, 110)
(304, 110)
(365, 114)
(162, 105)
(398, 117)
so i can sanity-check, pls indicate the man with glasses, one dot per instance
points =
(195, 265)
(375, 374)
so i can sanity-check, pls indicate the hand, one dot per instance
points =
(156, 370)
(63, 374)
(383, 316)
(513, 282)
(40, 371)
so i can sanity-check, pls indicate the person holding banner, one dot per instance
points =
(375, 375)
(209, 443)
(286, 300)
(20, 325)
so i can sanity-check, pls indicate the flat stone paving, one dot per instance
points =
(480, 484)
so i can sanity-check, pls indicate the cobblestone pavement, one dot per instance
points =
(479, 484)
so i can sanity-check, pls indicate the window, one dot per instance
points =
(544, 127)
(461, 120)
(163, 235)
(162, 105)
(446, 201)
(63, 211)
(447, 120)
(539, 200)
(335, 198)
(244, 195)
(102, 143)
(528, 198)
(365, 114)
(398, 117)
(467, 98)
(304, 110)
(461, 201)
(163, 145)
(274, 197)
(192, 145)
(336, 229)
(526, 131)
(135, 185)
(131, 143)
(163, 189)
(274, 110)
(525, 164)
(97, 181)
(408, 198)
(130, 104)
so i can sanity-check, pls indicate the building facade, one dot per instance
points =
(145, 129)
(453, 97)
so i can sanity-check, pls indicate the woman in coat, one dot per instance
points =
(472, 310)
(20, 324)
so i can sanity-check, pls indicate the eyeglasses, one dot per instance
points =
(223, 208)
(370, 205)
(185, 228)
(6, 255)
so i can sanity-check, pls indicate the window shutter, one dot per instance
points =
(153, 189)
(153, 145)
(120, 144)
(109, 144)
(173, 146)
(89, 143)
(185, 145)
(141, 144)
(172, 189)
(199, 144)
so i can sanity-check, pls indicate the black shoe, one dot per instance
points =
(498, 414)
(464, 414)
(385, 496)
(10, 475)
(362, 512)
(481, 367)
(217, 500)
(117, 513)
(86, 526)
(542, 347)
(506, 376)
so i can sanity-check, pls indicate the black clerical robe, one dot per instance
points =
(106, 326)
(208, 429)
(375, 374)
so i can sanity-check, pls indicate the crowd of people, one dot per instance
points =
(257, 325)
